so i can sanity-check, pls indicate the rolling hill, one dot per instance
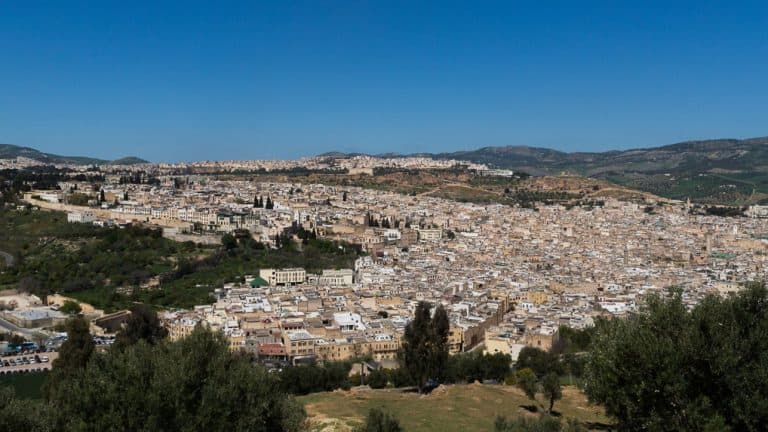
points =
(721, 171)
(10, 151)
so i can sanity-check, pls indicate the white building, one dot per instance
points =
(52, 197)
(392, 234)
(432, 234)
(343, 277)
(284, 276)
(348, 321)
(81, 217)
(757, 211)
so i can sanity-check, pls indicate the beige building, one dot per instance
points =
(181, 328)
(299, 343)
(284, 276)
(432, 234)
(343, 277)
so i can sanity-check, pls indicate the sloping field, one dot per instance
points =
(472, 407)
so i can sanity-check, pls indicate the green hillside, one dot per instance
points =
(10, 151)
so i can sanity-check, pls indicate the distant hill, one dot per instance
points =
(729, 171)
(129, 160)
(10, 151)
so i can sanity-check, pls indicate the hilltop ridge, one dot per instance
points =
(11, 151)
(719, 170)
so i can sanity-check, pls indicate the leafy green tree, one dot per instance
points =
(441, 327)
(671, 369)
(23, 415)
(541, 362)
(528, 383)
(229, 241)
(572, 340)
(73, 356)
(70, 308)
(301, 380)
(143, 324)
(424, 352)
(379, 420)
(377, 379)
(550, 388)
(194, 384)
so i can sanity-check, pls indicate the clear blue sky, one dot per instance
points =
(276, 79)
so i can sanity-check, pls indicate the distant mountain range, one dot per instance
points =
(10, 151)
(716, 171)
(728, 171)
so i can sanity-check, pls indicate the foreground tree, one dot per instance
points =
(670, 369)
(550, 388)
(74, 355)
(528, 383)
(23, 415)
(541, 362)
(143, 324)
(189, 385)
(424, 352)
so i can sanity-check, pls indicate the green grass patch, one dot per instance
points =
(25, 385)
(469, 408)
(91, 263)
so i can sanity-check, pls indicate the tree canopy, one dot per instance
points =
(192, 384)
(424, 352)
(671, 369)
(143, 324)
(70, 307)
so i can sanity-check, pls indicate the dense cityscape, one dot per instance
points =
(383, 217)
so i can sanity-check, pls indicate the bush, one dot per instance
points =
(377, 379)
(379, 420)
(301, 380)
(543, 423)
(355, 380)
(476, 366)
(71, 308)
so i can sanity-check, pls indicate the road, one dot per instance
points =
(104, 213)
(15, 329)
(9, 259)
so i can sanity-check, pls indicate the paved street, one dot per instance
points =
(13, 328)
